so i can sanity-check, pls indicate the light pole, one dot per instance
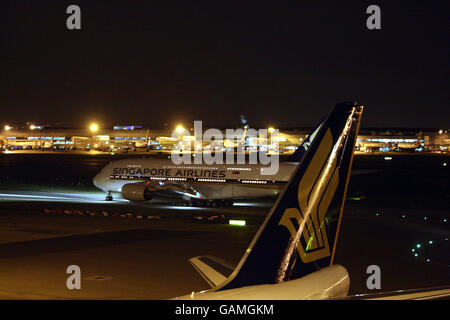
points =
(93, 128)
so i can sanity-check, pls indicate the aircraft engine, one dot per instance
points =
(136, 192)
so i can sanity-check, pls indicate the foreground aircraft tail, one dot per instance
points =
(301, 150)
(291, 256)
(299, 235)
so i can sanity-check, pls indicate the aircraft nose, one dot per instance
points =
(97, 181)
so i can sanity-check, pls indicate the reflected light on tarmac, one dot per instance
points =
(54, 197)
(252, 204)
(184, 208)
(92, 198)
(3, 195)
(99, 198)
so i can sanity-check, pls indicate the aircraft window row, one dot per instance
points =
(124, 177)
(168, 178)
(183, 167)
(186, 179)
(240, 169)
(145, 177)
(211, 180)
(254, 181)
(177, 179)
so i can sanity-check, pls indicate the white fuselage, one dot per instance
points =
(327, 283)
(217, 181)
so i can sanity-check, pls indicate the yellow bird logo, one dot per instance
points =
(315, 192)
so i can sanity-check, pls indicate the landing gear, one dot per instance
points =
(191, 203)
(195, 203)
(222, 203)
(228, 203)
(109, 197)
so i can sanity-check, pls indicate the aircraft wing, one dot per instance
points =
(435, 293)
(214, 270)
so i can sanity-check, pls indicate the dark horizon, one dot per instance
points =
(280, 65)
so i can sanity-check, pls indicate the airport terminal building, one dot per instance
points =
(137, 138)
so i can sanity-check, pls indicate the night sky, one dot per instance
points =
(285, 64)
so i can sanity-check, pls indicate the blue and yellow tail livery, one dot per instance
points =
(291, 256)
(299, 235)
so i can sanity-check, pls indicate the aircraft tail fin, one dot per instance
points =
(300, 233)
(301, 150)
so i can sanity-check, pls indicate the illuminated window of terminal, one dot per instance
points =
(389, 140)
(127, 127)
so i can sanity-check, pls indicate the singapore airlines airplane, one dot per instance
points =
(200, 184)
(291, 256)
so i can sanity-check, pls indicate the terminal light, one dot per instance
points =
(180, 128)
(7, 128)
(271, 130)
(93, 127)
(34, 127)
